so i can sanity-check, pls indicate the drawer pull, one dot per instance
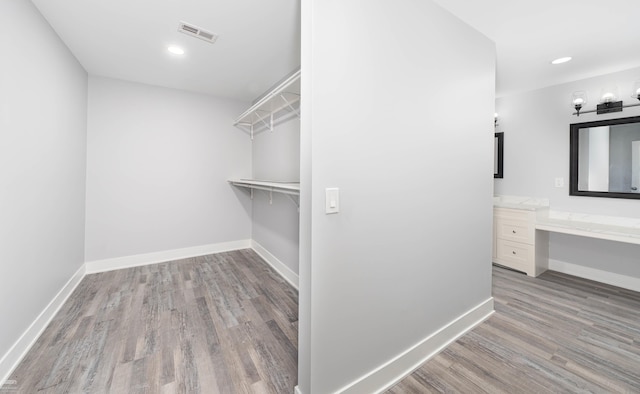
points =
(514, 252)
(513, 231)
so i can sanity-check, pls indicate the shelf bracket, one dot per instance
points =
(251, 193)
(294, 201)
(251, 131)
(269, 193)
(244, 126)
(289, 105)
(260, 118)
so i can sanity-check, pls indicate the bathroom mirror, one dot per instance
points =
(498, 155)
(605, 158)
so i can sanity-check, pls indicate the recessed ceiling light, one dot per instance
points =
(561, 60)
(175, 50)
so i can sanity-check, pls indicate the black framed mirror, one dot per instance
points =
(605, 158)
(498, 156)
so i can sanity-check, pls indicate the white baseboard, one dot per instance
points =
(164, 256)
(12, 358)
(276, 264)
(610, 278)
(401, 366)
(20, 348)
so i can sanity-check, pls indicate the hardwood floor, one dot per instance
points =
(227, 323)
(551, 334)
(224, 323)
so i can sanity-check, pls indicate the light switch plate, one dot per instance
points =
(332, 200)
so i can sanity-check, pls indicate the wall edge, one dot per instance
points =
(138, 260)
(610, 278)
(276, 264)
(390, 373)
(21, 347)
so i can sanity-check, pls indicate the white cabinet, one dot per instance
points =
(517, 245)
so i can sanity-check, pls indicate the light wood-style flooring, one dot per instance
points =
(551, 334)
(227, 323)
(224, 323)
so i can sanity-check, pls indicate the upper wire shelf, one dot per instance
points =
(280, 104)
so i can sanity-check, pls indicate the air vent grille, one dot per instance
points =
(197, 32)
(189, 29)
(206, 35)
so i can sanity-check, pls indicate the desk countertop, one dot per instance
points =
(524, 203)
(611, 228)
(593, 226)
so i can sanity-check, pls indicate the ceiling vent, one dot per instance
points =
(197, 32)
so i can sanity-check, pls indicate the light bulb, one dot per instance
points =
(609, 94)
(635, 91)
(578, 100)
(608, 97)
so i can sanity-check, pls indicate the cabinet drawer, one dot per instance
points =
(514, 225)
(515, 255)
(515, 230)
(514, 214)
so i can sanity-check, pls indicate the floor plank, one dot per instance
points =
(227, 323)
(224, 323)
(551, 334)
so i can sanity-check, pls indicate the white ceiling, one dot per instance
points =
(601, 36)
(259, 41)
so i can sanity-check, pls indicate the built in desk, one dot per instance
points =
(521, 227)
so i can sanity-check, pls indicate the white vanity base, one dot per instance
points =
(521, 237)
(517, 244)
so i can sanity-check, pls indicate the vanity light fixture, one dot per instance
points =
(578, 100)
(635, 92)
(609, 100)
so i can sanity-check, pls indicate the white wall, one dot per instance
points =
(536, 150)
(410, 250)
(158, 161)
(305, 213)
(276, 156)
(43, 120)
